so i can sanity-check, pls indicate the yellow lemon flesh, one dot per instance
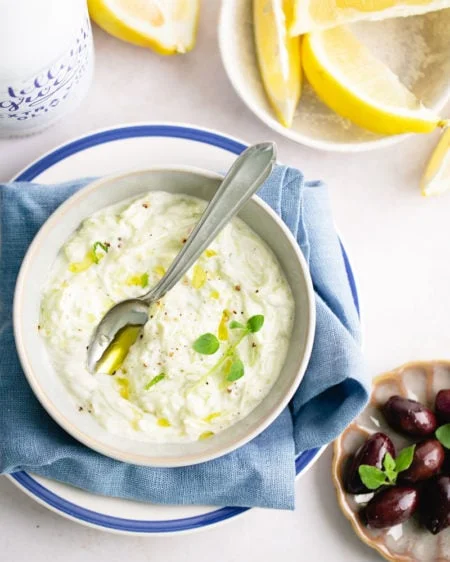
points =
(436, 178)
(278, 56)
(313, 15)
(355, 84)
(167, 26)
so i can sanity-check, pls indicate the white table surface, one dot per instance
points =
(399, 243)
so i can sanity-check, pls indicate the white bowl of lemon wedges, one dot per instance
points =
(342, 76)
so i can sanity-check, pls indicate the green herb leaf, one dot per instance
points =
(236, 370)
(404, 458)
(371, 476)
(155, 380)
(443, 435)
(389, 468)
(255, 323)
(388, 462)
(207, 344)
(144, 280)
(234, 325)
(96, 245)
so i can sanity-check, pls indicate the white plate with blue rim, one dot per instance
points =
(106, 152)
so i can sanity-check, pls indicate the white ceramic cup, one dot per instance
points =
(46, 62)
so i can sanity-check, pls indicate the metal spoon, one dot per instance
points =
(120, 326)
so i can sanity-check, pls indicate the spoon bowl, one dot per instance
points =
(103, 355)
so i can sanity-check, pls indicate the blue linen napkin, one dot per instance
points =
(262, 473)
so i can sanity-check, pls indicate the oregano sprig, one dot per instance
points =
(373, 477)
(254, 324)
(208, 344)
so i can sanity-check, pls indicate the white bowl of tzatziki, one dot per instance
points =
(222, 353)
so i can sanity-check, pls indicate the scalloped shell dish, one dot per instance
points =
(408, 542)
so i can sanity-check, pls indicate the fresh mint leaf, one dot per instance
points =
(255, 323)
(155, 380)
(234, 324)
(443, 435)
(236, 370)
(404, 458)
(96, 245)
(207, 344)
(371, 476)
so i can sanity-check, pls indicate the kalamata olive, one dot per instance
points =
(435, 504)
(428, 459)
(446, 466)
(408, 416)
(391, 507)
(442, 405)
(371, 452)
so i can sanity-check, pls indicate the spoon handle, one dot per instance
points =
(244, 178)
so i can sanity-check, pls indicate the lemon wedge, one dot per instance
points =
(313, 15)
(278, 56)
(350, 80)
(167, 26)
(436, 178)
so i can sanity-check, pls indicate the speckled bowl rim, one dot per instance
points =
(335, 465)
(97, 445)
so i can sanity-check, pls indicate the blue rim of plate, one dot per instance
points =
(24, 479)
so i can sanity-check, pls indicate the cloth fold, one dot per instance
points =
(262, 473)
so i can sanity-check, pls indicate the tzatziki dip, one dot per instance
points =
(213, 346)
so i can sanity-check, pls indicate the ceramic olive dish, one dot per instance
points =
(410, 541)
